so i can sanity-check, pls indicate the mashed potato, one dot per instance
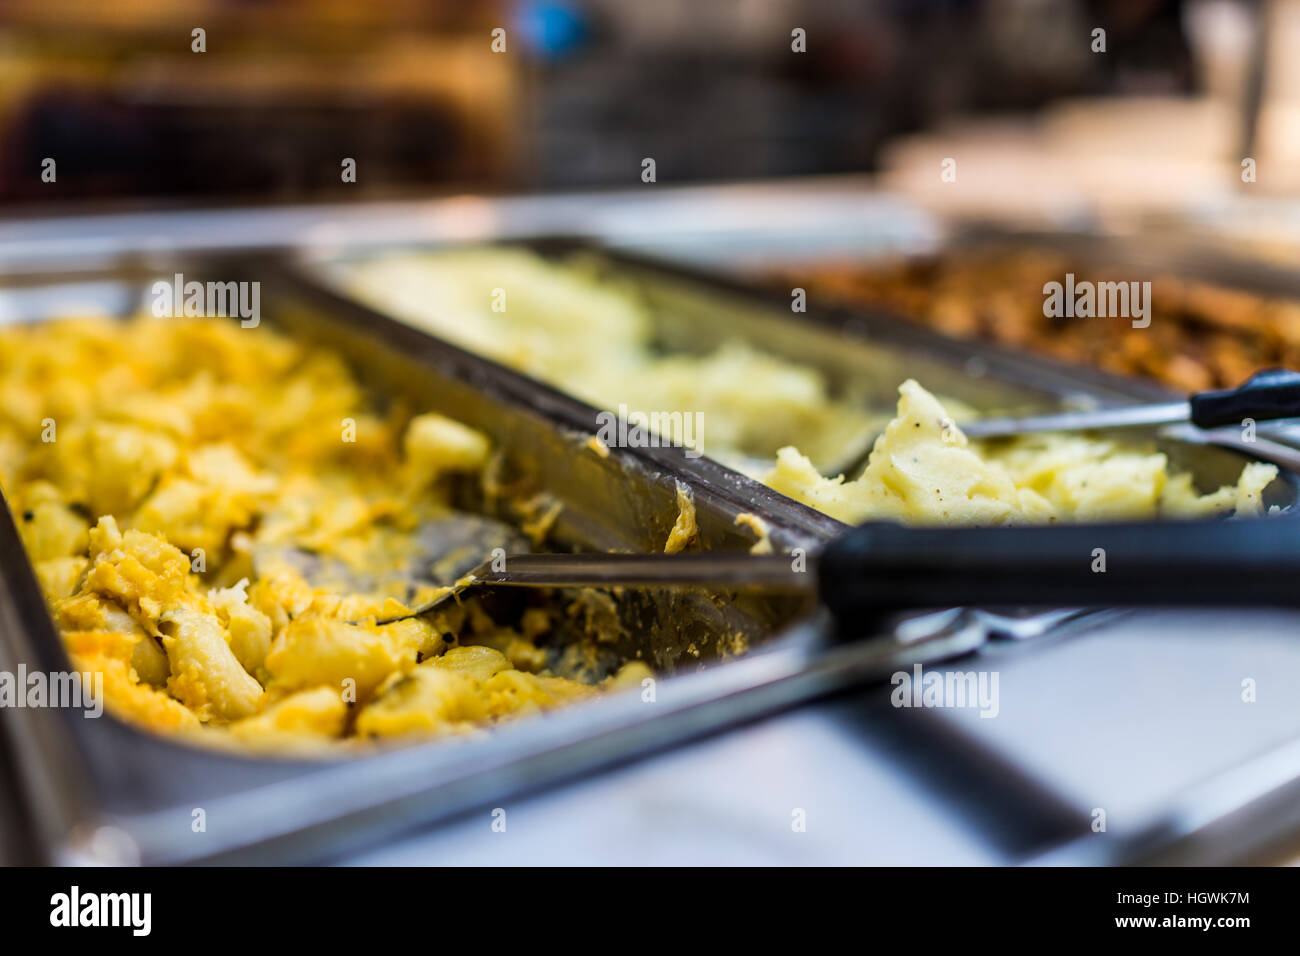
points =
(595, 338)
(145, 462)
(923, 470)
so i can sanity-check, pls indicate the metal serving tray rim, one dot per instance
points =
(745, 493)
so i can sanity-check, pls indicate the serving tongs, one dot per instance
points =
(883, 567)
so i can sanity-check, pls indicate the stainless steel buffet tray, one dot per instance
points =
(863, 355)
(98, 790)
(1011, 774)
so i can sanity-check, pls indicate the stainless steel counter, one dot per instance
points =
(1141, 716)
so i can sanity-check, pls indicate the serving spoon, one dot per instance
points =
(439, 553)
(1269, 395)
(882, 566)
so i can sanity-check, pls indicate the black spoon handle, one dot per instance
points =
(883, 566)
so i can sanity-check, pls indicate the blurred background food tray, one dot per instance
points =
(1215, 317)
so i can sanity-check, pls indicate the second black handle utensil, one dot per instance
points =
(1266, 396)
(1271, 394)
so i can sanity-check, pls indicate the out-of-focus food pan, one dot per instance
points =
(863, 354)
(100, 790)
(1214, 318)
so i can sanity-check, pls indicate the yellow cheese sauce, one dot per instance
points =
(146, 462)
(685, 528)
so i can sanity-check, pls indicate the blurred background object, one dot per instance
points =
(421, 95)
(283, 92)
(1203, 333)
